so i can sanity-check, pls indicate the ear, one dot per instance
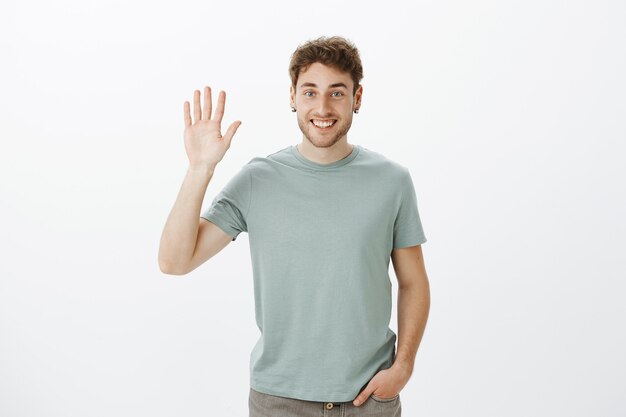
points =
(358, 94)
(292, 96)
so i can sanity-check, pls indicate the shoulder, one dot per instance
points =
(383, 165)
(261, 164)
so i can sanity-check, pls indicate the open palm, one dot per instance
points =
(204, 143)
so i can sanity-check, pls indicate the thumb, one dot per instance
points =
(228, 137)
(364, 395)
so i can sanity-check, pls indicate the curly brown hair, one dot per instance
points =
(334, 51)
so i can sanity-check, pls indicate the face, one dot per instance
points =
(324, 94)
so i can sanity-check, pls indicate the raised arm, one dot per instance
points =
(188, 240)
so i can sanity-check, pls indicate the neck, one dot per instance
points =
(327, 155)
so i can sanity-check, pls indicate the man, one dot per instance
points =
(324, 218)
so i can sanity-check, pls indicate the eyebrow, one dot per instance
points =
(330, 86)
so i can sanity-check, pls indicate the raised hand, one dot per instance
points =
(204, 143)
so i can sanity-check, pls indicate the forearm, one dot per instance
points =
(413, 309)
(178, 240)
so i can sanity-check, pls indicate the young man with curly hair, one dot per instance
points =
(324, 218)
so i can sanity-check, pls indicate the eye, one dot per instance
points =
(338, 92)
(306, 92)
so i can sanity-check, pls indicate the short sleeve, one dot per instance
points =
(407, 228)
(229, 208)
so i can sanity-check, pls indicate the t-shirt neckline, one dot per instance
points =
(355, 151)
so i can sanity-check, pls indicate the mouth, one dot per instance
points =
(323, 124)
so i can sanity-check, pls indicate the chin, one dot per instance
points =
(320, 140)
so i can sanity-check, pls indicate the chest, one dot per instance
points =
(317, 213)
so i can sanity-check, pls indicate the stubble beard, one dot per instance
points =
(313, 136)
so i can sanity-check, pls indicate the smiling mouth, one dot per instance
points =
(323, 125)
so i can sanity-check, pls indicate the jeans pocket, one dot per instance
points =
(384, 400)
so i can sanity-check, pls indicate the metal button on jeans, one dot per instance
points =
(329, 405)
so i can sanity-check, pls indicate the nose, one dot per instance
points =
(324, 106)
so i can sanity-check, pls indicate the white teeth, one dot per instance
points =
(323, 124)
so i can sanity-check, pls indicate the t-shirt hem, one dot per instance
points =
(408, 243)
(306, 395)
(222, 225)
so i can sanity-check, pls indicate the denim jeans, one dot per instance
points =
(267, 405)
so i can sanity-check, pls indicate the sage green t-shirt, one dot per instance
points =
(320, 237)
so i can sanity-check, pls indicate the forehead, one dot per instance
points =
(323, 76)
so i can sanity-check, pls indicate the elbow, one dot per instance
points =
(170, 268)
(169, 263)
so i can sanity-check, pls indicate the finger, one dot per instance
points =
(206, 114)
(228, 137)
(187, 115)
(219, 111)
(197, 111)
(360, 399)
